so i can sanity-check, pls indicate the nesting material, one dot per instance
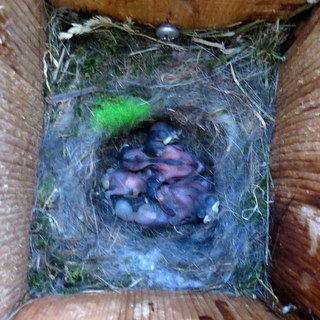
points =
(218, 87)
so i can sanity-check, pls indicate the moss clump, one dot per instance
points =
(118, 114)
(46, 186)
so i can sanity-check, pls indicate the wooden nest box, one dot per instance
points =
(295, 261)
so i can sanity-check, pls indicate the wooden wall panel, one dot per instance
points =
(186, 13)
(296, 173)
(143, 305)
(22, 41)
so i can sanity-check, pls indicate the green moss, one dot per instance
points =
(127, 260)
(249, 282)
(118, 114)
(75, 275)
(74, 132)
(46, 186)
(148, 233)
(38, 281)
(117, 284)
(91, 64)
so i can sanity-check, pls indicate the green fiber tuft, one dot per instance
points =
(118, 113)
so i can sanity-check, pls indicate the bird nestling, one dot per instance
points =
(183, 199)
(160, 135)
(187, 166)
(122, 183)
(147, 215)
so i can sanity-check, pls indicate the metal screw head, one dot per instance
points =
(167, 32)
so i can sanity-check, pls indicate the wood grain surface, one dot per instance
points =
(186, 13)
(296, 172)
(143, 305)
(21, 111)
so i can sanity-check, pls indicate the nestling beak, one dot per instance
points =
(172, 137)
(212, 212)
(105, 181)
(168, 140)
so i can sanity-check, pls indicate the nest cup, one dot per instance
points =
(224, 107)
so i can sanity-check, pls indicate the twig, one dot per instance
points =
(54, 191)
(45, 68)
(98, 23)
(65, 96)
(55, 222)
(268, 289)
(134, 283)
(209, 43)
(58, 66)
(143, 51)
(246, 94)
(267, 252)
(217, 45)
(95, 219)
(108, 284)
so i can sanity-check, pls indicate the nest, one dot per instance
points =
(220, 93)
